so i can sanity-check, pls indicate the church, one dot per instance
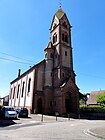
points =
(50, 85)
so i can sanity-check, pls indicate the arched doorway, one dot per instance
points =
(69, 103)
(39, 106)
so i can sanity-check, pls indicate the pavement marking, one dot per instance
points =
(89, 133)
(33, 121)
(85, 132)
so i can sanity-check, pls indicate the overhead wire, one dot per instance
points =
(92, 76)
(15, 61)
(7, 59)
(16, 57)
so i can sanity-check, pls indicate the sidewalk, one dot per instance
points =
(46, 118)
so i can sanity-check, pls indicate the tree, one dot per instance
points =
(101, 98)
(81, 102)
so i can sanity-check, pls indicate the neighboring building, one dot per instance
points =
(92, 97)
(1, 101)
(4, 101)
(49, 86)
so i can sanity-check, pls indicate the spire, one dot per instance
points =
(59, 13)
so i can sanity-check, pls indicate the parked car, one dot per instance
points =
(22, 112)
(8, 112)
(0, 113)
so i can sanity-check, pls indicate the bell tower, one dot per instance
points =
(60, 90)
(60, 34)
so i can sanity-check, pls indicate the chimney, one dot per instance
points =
(19, 72)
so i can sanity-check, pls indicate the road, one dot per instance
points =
(50, 129)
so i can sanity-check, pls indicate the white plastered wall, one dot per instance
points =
(26, 100)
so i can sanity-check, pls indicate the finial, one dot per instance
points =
(60, 3)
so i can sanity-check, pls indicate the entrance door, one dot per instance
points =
(68, 105)
(39, 106)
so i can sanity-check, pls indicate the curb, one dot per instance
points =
(19, 125)
(94, 134)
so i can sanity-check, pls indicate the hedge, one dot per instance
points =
(0, 107)
(92, 109)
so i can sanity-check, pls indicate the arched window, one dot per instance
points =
(65, 37)
(51, 55)
(23, 89)
(18, 91)
(29, 85)
(51, 103)
(54, 38)
(51, 74)
(65, 24)
(65, 53)
(14, 92)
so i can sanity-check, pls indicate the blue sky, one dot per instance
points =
(24, 33)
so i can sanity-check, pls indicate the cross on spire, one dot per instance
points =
(60, 3)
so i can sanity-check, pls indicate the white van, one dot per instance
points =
(9, 112)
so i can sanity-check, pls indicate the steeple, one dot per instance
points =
(58, 16)
(60, 48)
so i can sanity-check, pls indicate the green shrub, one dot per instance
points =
(101, 99)
(92, 109)
(0, 107)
